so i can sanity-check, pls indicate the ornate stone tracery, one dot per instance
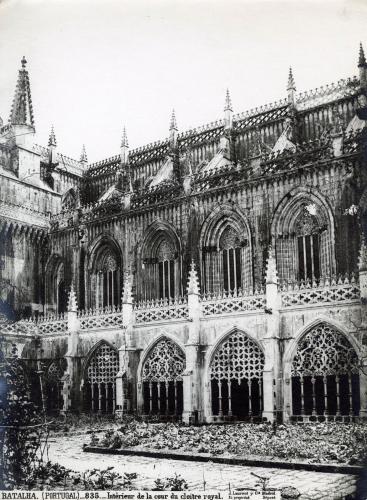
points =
(238, 357)
(229, 239)
(324, 351)
(103, 366)
(166, 362)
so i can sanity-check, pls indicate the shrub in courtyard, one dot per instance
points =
(174, 483)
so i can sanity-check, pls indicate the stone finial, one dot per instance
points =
(173, 122)
(127, 296)
(193, 281)
(271, 268)
(362, 260)
(124, 147)
(83, 156)
(72, 302)
(291, 87)
(52, 138)
(228, 102)
(22, 109)
(361, 58)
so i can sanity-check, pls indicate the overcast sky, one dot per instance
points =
(96, 66)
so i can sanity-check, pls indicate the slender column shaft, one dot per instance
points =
(113, 398)
(229, 382)
(167, 388)
(228, 272)
(175, 387)
(99, 398)
(234, 269)
(159, 397)
(150, 397)
(350, 394)
(106, 396)
(260, 397)
(249, 383)
(337, 380)
(304, 257)
(220, 398)
(325, 395)
(302, 396)
(313, 381)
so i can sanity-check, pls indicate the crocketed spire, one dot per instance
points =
(271, 268)
(193, 281)
(124, 147)
(83, 156)
(124, 141)
(228, 102)
(361, 60)
(173, 122)
(291, 83)
(52, 138)
(22, 110)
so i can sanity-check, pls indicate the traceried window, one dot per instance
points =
(162, 379)
(166, 270)
(308, 245)
(108, 279)
(325, 375)
(230, 248)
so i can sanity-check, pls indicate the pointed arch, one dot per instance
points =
(56, 284)
(303, 234)
(161, 263)
(234, 372)
(69, 200)
(226, 251)
(100, 369)
(160, 374)
(323, 366)
(105, 267)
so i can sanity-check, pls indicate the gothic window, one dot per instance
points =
(107, 279)
(100, 375)
(160, 266)
(325, 375)
(236, 378)
(162, 379)
(69, 200)
(308, 245)
(53, 385)
(230, 247)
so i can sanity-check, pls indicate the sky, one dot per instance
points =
(98, 65)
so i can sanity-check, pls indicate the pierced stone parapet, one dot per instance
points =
(109, 317)
(232, 302)
(325, 290)
(161, 310)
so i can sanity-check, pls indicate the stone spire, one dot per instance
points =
(291, 87)
(52, 146)
(193, 281)
(362, 65)
(83, 156)
(124, 148)
(173, 130)
(228, 111)
(22, 110)
(72, 302)
(271, 268)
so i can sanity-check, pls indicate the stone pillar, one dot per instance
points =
(191, 385)
(362, 267)
(271, 392)
(71, 377)
(125, 375)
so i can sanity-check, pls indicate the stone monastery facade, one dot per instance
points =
(218, 274)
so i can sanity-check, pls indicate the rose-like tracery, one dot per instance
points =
(166, 362)
(103, 366)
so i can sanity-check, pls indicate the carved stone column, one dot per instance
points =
(271, 368)
(191, 386)
(72, 377)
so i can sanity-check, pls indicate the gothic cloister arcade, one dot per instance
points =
(236, 378)
(325, 375)
(100, 372)
(161, 377)
(53, 385)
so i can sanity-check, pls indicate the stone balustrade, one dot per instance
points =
(94, 319)
(341, 289)
(161, 310)
(232, 302)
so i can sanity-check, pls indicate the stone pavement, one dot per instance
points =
(312, 485)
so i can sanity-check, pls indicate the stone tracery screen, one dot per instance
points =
(100, 379)
(325, 374)
(236, 377)
(162, 379)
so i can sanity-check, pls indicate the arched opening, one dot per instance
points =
(69, 200)
(53, 385)
(325, 375)
(226, 261)
(62, 297)
(236, 373)
(303, 229)
(56, 289)
(160, 266)
(106, 276)
(162, 380)
(99, 380)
